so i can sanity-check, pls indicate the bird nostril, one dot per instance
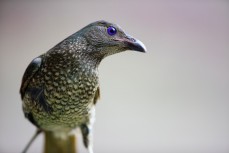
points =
(132, 39)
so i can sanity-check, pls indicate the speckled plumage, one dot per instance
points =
(68, 87)
(60, 88)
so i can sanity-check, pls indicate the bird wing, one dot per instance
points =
(97, 95)
(30, 71)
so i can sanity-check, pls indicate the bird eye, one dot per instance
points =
(111, 31)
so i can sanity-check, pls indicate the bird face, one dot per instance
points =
(106, 38)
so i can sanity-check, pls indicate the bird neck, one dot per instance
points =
(88, 60)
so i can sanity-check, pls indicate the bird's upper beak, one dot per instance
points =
(134, 44)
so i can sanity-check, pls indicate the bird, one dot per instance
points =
(60, 88)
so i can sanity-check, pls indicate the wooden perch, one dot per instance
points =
(59, 145)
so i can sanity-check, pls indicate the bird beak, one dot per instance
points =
(134, 44)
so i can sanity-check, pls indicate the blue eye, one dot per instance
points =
(111, 31)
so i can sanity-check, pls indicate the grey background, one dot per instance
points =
(174, 99)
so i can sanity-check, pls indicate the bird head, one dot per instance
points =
(104, 38)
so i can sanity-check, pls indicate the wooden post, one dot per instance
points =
(59, 145)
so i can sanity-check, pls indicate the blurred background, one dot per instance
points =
(174, 99)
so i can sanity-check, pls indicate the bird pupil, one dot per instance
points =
(111, 30)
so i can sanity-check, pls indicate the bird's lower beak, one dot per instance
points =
(134, 44)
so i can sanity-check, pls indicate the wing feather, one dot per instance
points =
(97, 95)
(31, 70)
